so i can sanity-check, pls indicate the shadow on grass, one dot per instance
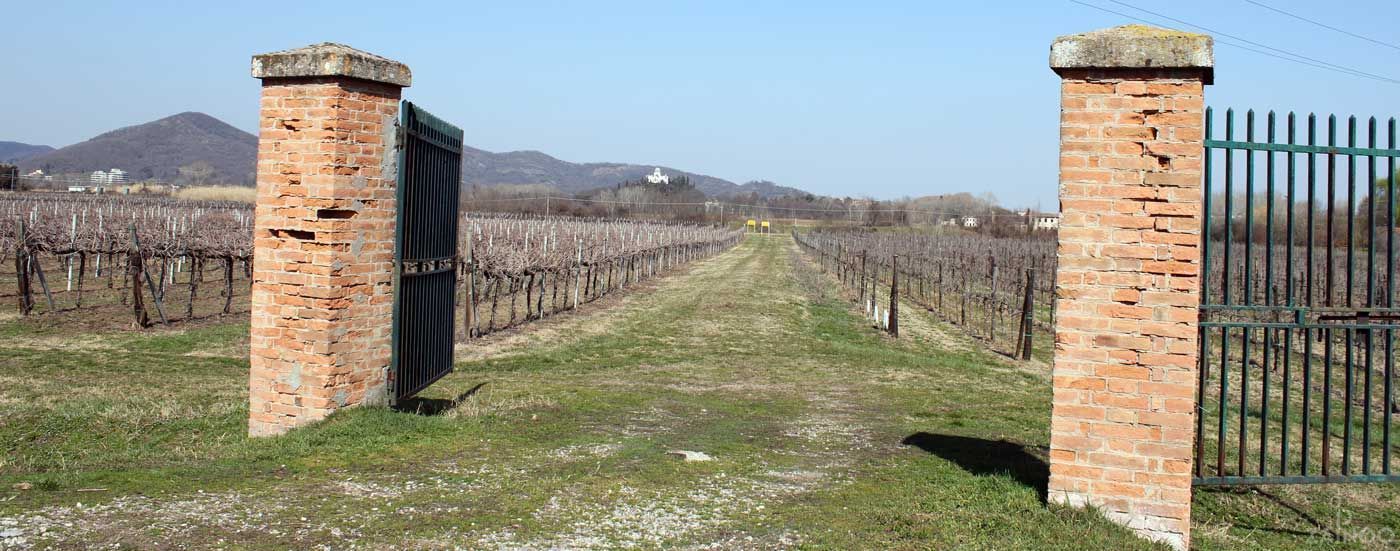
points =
(988, 457)
(1319, 527)
(434, 406)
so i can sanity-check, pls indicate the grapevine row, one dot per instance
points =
(999, 290)
(519, 269)
(63, 252)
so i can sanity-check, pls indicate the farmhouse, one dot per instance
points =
(1045, 222)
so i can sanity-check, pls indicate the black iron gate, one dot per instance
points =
(425, 251)
(1298, 313)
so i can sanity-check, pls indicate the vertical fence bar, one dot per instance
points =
(1391, 175)
(1350, 333)
(1225, 292)
(1288, 298)
(1370, 295)
(1308, 297)
(1268, 293)
(1247, 288)
(1201, 331)
(1327, 298)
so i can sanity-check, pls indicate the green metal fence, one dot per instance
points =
(1298, 313)
(425, 251)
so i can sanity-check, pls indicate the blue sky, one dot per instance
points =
(881, 99)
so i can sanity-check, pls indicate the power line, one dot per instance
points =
(1220, 41)
(1253, 43)
(1295, 59)
(1324, 25)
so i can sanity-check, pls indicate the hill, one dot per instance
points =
(14, 151)
(158, 150)
(484, 168)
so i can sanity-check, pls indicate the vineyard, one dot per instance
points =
(999, 290)
(521, 269)
(159, 258)
(62, 252)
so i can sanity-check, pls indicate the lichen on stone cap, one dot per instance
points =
(1135, 47)
(331, 59)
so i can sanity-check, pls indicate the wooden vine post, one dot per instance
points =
(894, 296)
(862, 278)
(469, 305)
(1028, 315)
(135, 267)
(26, 297)
(150, 284)
(38, 269)
(578, 272)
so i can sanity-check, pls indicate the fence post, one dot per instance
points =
(1127, 285)
(322, 298)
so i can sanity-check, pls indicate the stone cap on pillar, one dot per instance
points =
(330, 59)
(1135, 47)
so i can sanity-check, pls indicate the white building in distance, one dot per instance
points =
(656, 177)
(1045, 222)
(111, 177)
(969, 221)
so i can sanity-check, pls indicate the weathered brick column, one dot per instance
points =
(1132, 101)
(324, 237)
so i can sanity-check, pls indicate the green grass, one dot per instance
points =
(825, 433)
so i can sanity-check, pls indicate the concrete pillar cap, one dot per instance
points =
(1135, 47)
(329, 59)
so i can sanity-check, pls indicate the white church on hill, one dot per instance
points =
(656, 177)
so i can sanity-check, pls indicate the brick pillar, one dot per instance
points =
(1132, 101)
(324, 235)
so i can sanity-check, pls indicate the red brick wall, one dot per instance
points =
(324, 242)
(1127, 295)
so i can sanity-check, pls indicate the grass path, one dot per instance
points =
(824, 434)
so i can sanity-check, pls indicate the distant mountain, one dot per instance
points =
(15, 151)
(158, 149)
(485, 168)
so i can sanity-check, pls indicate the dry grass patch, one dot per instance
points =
(76, 343)
(218, 193)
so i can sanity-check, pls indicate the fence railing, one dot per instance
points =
(1297, 314)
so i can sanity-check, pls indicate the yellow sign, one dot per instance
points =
(752, 225)
(766, 229)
